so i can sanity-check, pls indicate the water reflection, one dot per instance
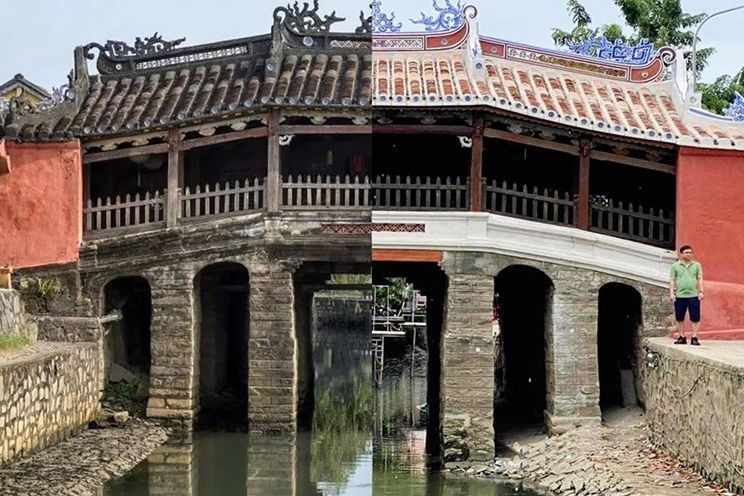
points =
(362, 442)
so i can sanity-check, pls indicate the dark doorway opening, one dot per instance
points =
(223, 344)
(523, 317)
(394, 417)
(127, 342)
(618, 324)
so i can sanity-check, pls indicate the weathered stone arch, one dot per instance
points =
(620, 319)
(523, 297)
(221, 327)
(127, 341)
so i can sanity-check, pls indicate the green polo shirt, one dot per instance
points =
(685, 278)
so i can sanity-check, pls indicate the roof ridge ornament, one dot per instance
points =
(735, 110)
(147, 46)
(381, 22)
(617, 51)
(305, 20)
(447, 17)
(366, 24)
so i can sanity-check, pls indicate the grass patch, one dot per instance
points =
(13, 341)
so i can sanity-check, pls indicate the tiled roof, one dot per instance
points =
(461, 69)
(149, 87)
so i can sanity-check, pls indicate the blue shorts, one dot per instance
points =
(682, 305)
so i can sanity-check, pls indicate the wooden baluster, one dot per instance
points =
(567, 210)
(524, 200)
(88, 215)
(186, 202)
(447, 202)
(207, 201)
(417, 191)
(108, 212)
(99, 204)
(545, 204)
(127, 201)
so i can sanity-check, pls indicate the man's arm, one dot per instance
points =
(671, 287)
(700, 284)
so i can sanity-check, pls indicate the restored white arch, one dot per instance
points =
(484, 232)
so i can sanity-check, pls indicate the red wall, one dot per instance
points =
(40, 204)
(710, 217)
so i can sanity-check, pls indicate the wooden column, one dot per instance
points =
(582, 187)
(274, 169)
(175, 178)
(476, 168)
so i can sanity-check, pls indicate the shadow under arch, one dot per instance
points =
(222, 323)
(126, 342)
(619, 322)
(523, 305)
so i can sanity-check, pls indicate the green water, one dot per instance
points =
(362, 442)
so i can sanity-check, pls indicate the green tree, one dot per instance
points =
(719, 95)
(662, 22)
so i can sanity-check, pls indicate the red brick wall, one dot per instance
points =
(40, 204)
(710, 217)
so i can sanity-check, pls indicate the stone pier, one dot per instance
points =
(467, 372)
(272, 349)
(174, 381)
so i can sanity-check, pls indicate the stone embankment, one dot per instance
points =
(612, 460)
(81, 465)
(47, 392)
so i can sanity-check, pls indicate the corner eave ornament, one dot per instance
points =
(736, 109)
(305, 20)
(447, 17)
(382, 22)
(147, 46)
(617, 51)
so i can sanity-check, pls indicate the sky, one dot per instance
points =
(40, 38)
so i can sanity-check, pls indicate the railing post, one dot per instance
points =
(582, 186)
(175, 178)
(476, 167)
(274, 168)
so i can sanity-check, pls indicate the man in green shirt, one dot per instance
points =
(686, 291)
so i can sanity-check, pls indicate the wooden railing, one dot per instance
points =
(543, 205)
(223, 200)
(325, 192)
(394, 193)
(129, 211)
(636, 223)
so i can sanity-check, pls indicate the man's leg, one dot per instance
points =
(680, 309)
(695, 319)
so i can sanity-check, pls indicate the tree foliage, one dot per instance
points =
(719, 94)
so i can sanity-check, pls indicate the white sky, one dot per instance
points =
(41, 34)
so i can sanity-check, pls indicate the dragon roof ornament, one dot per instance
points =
(147, 46)
(305, 20)
(617, 51)
(447, 17)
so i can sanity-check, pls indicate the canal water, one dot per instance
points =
(363, 441)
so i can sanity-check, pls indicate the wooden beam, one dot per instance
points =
(392, 255)
(274, 167)
(175, 178)
(258, 132)
(476, 167)
(530, 141)
(582, 200)
(323, 129)
(91, 158)
(634, 162)
(421, 129)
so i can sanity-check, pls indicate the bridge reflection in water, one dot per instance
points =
(351, 422)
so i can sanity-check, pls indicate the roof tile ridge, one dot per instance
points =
(541, 99)
(651, 114)
(574, 116)
(607, 117)
(156, 104)
(113, 103)
(596, 119)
